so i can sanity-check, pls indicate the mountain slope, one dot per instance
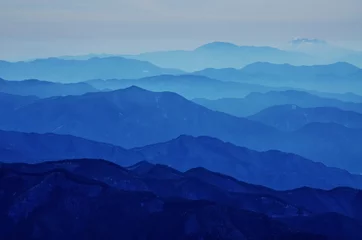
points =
(338, 69)
(346, 97)
(68, 206)
(43, 89)
(333, 139)
(66, 195)
(189, 86)
(220, 55)
(281, 72)
(66, 71)
(338, 77)
(135, 117)
(292, 117)
(132, 117)
(272, 168)
(10, 102)
(256, 102)
(201, 184)
(32, 147)
(339, 227)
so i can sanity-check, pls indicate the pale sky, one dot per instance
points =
(42, 28)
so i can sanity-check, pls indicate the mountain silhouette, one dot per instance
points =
(346, 97)
(67, 71)
(10, 102)
(287, 70)
(135, 117)
(273, 168)
(256, 102)
(220, 55)
(281, 72)
(131, 117)
(292, 117)
(43, 89)
(189, 86)
(333, 139)
(324, 78)
(33, 147)
(92, 208)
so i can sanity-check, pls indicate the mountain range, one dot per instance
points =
(189, 86)
(256, 102)
(292, 117)
(339, 69)
(130, 117)
(221, 55)
(68, 71)
(10, 102)
(338, 77)
(300, 51)
(274, 169)
(220, 142)
(271, 168)
(325, 51)
(87, 199)
(135, 117)
(346, 97)
(34, 148)
(43, 89)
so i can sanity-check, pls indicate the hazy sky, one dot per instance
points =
(40, 28)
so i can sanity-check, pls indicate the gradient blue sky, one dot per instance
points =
(41, 28)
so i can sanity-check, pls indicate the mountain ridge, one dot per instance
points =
(291, 117)
(90, 211)
(311, 77)
(134, 117)
(68, 71)
(43, 89)
(256, 102)
(213, 154)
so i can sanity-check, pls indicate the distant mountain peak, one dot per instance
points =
(218, 46)
(286, 92)
(189, 138)
(134, 88)
(300, 41)
(344, 64)
(61, 70)
(336, 68)
(129, 90)
(266, 64)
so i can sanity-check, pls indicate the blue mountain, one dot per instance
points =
(326, 52)
(292, 117)
(10, 102)
(346, 97)
(131, 117)
(256, 102)
(135, 117)
(259, 71)
(68, 195)
(189, 86)
(33, 147)
(67, 71)
(338, 69)
(338, 77)
(33, 87)
(272, 169)
(221, 55)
